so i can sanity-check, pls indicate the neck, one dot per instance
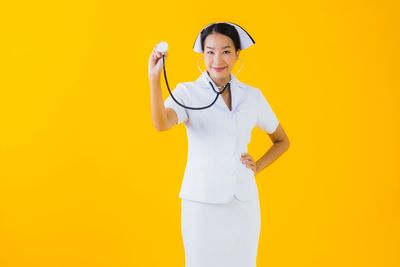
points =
(220, 82)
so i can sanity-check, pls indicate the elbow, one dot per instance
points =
(160, 127)
(158, 124)
(287, 144)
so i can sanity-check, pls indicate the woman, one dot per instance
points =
(220, 215)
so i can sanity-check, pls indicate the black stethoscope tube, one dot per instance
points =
(169, 90)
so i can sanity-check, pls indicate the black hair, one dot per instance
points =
(222, 28)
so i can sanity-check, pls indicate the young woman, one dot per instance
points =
(220, 215)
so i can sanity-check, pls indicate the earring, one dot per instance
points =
(241, 66)
(198, 65)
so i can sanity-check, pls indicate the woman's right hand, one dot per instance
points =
(156, 64)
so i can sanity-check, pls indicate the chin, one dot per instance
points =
(220, 75)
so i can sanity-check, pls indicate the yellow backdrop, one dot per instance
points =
(86, 180)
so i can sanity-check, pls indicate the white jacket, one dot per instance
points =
(217, 137)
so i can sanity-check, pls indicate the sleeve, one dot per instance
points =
(266, 118)
(181, 97)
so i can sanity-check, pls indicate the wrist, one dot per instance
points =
(154, 78)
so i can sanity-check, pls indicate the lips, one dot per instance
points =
(219, 69)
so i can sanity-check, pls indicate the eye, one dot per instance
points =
(227, 52)
(210, 52)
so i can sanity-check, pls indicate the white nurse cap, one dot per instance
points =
(245, 39)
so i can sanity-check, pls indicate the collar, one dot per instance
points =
(205, 78)
(237, 90)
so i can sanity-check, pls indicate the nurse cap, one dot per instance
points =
(245, 39)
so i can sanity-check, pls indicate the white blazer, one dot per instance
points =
(217, 137)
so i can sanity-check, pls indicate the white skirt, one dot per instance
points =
(220, 235)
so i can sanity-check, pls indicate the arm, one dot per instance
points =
(163, 118)
(280, 145)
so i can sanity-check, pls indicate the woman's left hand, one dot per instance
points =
(248, 160)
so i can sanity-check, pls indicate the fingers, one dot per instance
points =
(155, 64)
(250, 165)
(156, 57)
(246, 157)
(156, 54)
(248, 160)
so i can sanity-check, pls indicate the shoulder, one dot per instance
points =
(183, 88)
(186, 91)
(188, 85)
(190, 88)
(250, 90)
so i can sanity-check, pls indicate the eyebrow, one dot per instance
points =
(222, 47)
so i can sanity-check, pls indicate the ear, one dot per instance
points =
(238, 52)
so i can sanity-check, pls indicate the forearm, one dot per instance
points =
(158, 113)
(275, 151)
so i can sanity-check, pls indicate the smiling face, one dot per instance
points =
(220, 57)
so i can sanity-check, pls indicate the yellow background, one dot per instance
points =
(86, 180)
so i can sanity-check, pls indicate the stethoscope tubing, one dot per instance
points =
(193, 108)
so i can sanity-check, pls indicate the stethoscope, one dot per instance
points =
(162, 47)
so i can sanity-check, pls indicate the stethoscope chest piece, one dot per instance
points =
(162, 47)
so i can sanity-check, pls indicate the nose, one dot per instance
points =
(217, 58)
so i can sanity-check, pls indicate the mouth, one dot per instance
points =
(219, 69)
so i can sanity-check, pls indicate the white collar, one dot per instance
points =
(205, 78)
(237, 90)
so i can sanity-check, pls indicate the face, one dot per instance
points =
(220, 56)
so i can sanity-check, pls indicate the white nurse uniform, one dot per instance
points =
(220, 215)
